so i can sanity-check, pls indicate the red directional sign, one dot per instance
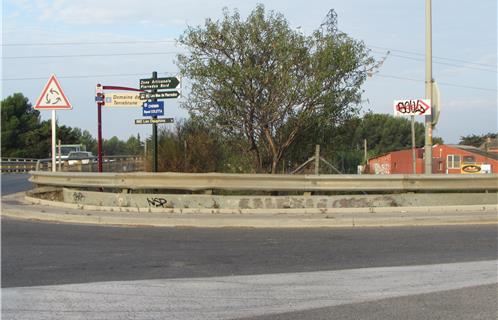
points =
(52, 97)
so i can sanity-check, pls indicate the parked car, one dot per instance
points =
(83, 157)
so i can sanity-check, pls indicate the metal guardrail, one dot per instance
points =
(110, 164)
(267, 182)
(17, 165)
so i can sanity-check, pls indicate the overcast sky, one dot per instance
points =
(117, 42)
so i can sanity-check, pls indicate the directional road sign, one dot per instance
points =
(159, 83)
(152, 109)
(52, 97)
(419, 107)
(151, 120)
(116, 99)
(159, 95)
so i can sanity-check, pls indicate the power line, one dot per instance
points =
(81, 76)
(91, 55)
(40, 44)
(147, 73)
(175, 41)
(441, 83)
(444, 63)
(435, 57)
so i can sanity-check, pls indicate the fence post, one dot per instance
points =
(317, 159)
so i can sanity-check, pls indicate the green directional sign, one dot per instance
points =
(159, 83)
(159, 95)
(152, 120)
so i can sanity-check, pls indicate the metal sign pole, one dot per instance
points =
(99, 128)
(154, 132)
(414, 156)
(54, 119)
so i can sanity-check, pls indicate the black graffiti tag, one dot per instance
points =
(156, 202)
(412, 107)
(78, 196)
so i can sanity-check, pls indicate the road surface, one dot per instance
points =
(192, 273)
(15, 182)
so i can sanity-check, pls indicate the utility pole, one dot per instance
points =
(428, 85)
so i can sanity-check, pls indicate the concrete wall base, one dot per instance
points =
(181, 201)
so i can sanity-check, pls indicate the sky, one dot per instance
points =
(118, 42)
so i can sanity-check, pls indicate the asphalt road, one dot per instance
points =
(378, 273)
(479, 303)
(35, 253)
(15, 182)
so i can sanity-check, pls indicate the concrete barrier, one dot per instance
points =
(182, 201)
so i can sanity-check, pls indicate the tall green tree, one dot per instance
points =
(88, 141)
(476, 140)
(20, 128)
(133, 145)
(385, 133)
(342, 145)
(260, 79)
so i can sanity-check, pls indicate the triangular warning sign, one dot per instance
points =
(52, 97)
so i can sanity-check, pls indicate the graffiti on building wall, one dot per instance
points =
(382, 168)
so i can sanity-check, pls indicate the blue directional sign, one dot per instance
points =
(152, 109)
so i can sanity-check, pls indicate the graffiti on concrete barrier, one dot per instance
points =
(157, 202)
(78, 196)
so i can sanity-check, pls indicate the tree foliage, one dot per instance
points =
(264, 81)
(476, 140)
(20, 127)
(343, 145)
(191, 147)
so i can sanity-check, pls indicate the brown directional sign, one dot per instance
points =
(152, 120)
(159, 83)
(159, 95)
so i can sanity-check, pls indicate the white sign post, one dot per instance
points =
(412, 108)
(53, 98)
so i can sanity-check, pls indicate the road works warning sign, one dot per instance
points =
(52, 97)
